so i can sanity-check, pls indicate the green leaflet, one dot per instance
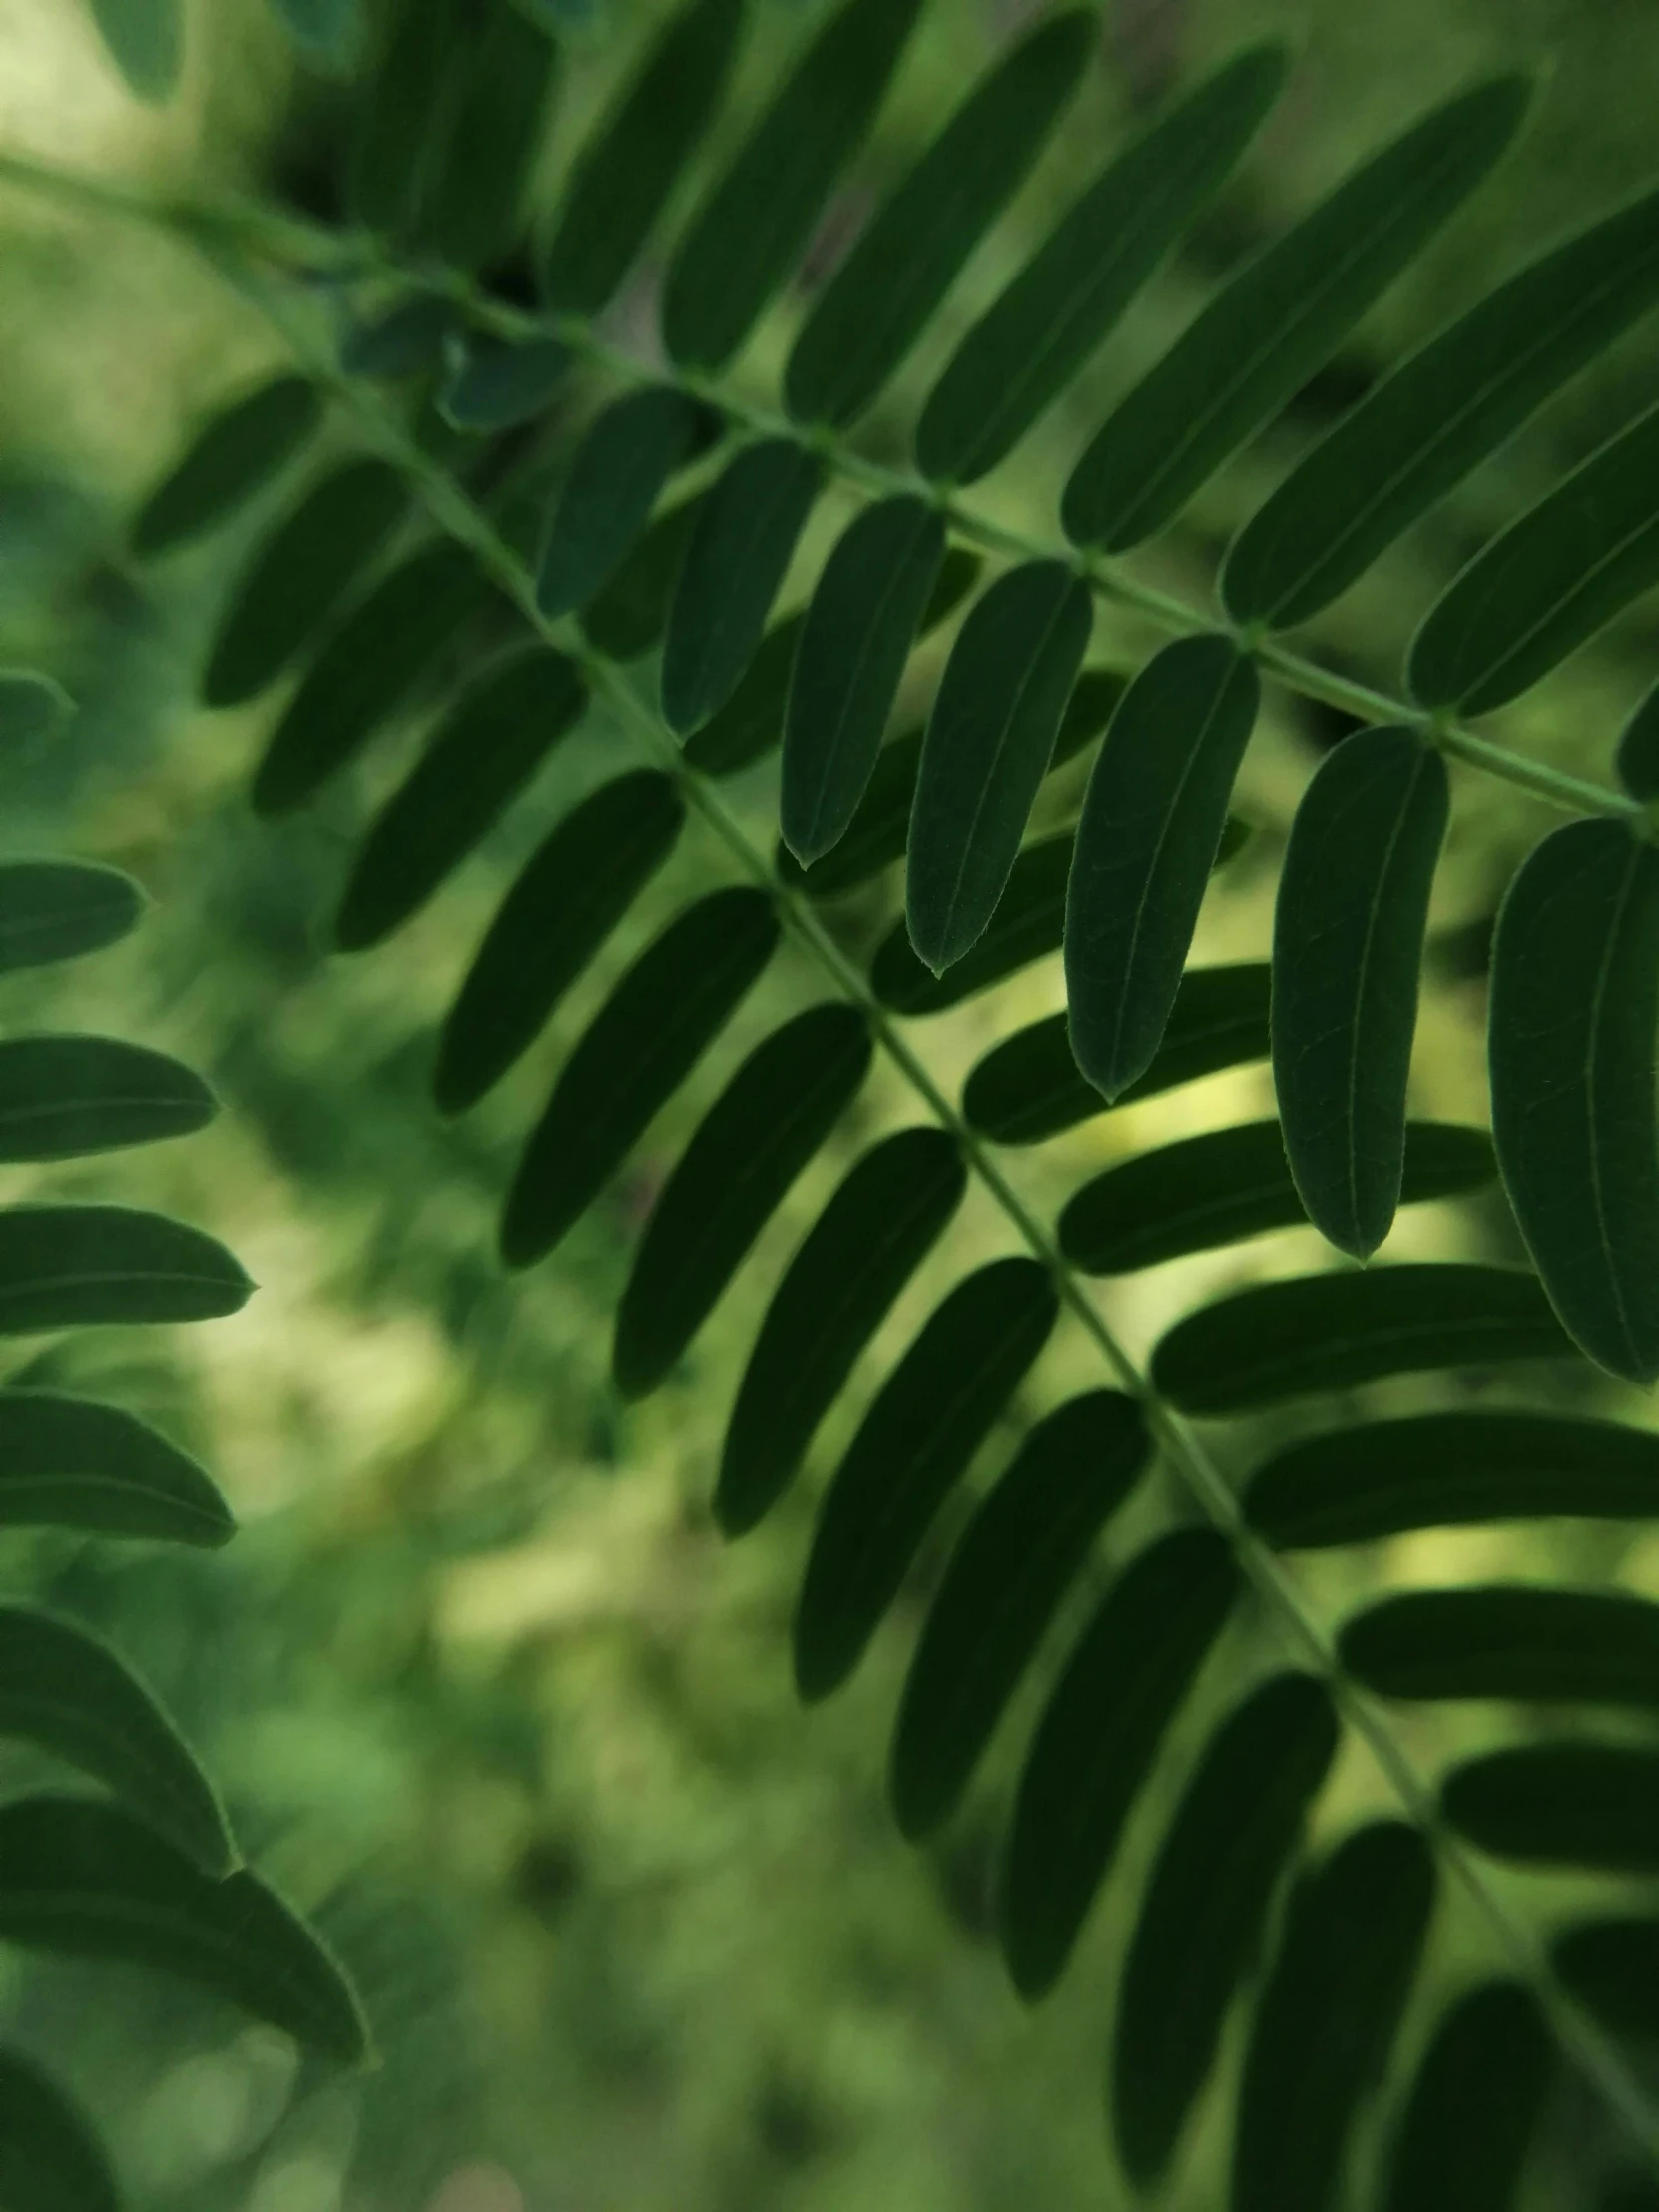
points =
(326, 29)
(1027, 923)
(1638, 754)
(1093, 702)
(1238, 1826)
(1231, 1183)
(65, 1265)
(1334, 1331)
(408, 339)
(753, 225)
(1612, 1967)
(631, 613)
(739, 549)
(1328, 2015)
(569, 897)
(617, 474)
(1281, 317)
(62, 1097)
(1415, 437)
(481, 756)
(50, 2159)
(66, 1462)
(1029, 1087)
(1025, 350)
(1016, 1560)
(58, 909)
(376, 660)
(86, 1879)
(1569, 1804)
(401, 118)
(769, 1119)
(1442, 1470)
(234, 456)
(1463, 2139)
(146, 40)
(1574, 1005)
(32, 707)
(914, 1445)
(626, 171)
(1099, 1734)
(885, 294)
(875, 835)
(301, 575)
(749, 723)
(889, 1210)
(1548, 584)
(1152, 822)
(631, 1059)
(506, 72)
(1348, 936)
(864, 619)
(67, 1693)
(1534, 1646)
(988, 744)
(496, 383)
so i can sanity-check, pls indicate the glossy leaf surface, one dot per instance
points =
(232, 458)
(66, 1462)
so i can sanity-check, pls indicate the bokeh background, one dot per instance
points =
(485, 1690)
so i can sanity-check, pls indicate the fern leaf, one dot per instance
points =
(1545, 1647)
(232, 459)
(616, 477)
(66, 1462)
(50, 2159)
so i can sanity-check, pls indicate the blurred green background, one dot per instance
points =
(484, 1689)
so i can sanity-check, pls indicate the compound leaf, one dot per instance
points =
(66, 1462)
(234, 456)
(63, 1097)
(63, 1266)
(631, 613)
(1028, 922)
(875, 835)
(617, 474)
(1534, 1646)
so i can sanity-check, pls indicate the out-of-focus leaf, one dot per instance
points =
(1638, 754)
(497, 384)
(327, 30)
(569, 897)
(1534, 1646)
(1020, 1553)
(1153, 818)
(885, 294)
(1612, 1967)
(402, 342)
(748, 1148)
(1348, 936)
(234, 456)
(61, 1097)
(914, 1445)
(32, 707)
(63, 1266)
(1097, 1740)
(1238, 1824)
(505, 76)
(400, 124)
(1333, 1332)
(1462, 2138)
(53, 910)
(987, 749)
(1035, 338)
(634, 1055)
(1574, 1007)
(146, 40)
(754, 223)
(84, 1878)
(616, 476)
(627, 170)
(66, 1462)
(890, 1208)
(1567, 1804)
(50, 2159)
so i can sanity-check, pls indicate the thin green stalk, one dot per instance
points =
(454, 512)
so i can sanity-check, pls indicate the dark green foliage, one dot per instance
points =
(626, 171)
(53, 910)
(641, 1045)
(987, 749)
(49, 2159)
(300, 575)
(1570, 1803)
(885, 294)
(401, 341)
(61, 1097)
(1550, 1647)
(1611, 1967)
(1028, 922)
(1026, 349)
(32, 707)
(505, 72)
(1030, 1087)
(87, 1880)
(1348, 932)
(755, 221)
(67, 1463)
(616, 476)
(68, 1694)
(631, 613)
(749, 723)
(1331, 1332)
(569, 897)
(401, 114)
(63, 1266)
(326, 30)
(914, 1445)
(1097, 1739)
(1328, 2016)
(476, 762)
(754, 1141)
(1230, 1184)
(1637, 758)
(1463, 2136)
(1007, 1576)
(1233, 1836)
(1281, 317)
(146, 38)
(874, 836)
(739, 549)
(1575, 1001)
(497, 384)
(890, 1209)
(235, 457)
(1152, 824)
